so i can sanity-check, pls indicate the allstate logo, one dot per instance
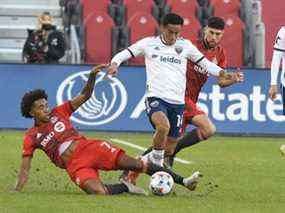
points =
(107, 102)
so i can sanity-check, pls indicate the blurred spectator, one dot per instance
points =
(45, 44)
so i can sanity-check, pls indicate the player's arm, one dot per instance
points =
(275, 64)
(200, 60)
(23, 173)
(131, 52)
(227, 79)
(119, 58)
(279, 49)
(86, 93)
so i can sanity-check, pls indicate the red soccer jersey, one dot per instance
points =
(49, 136)
(197, 77)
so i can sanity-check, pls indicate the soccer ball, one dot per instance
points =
(161, 183)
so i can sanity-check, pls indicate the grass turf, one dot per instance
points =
(241, 174)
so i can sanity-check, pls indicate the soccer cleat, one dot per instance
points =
(192, 181)
(134, 189)
(132, 176)
(168, 162)
(124, 175)
(153, 158)
(129, 176)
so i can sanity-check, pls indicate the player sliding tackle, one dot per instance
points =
(166, 60)
(82, 158)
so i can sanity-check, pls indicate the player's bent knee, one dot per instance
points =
(208, 131)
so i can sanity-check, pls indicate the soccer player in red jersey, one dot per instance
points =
(210, 46)
(82, 158)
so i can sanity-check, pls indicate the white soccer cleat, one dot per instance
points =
(134, 189)
(282, 150)
(192, 181)
(153, 159)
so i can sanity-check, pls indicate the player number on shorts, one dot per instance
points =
(108, 146)
(179, 120)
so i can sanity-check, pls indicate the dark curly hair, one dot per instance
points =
(29, 98)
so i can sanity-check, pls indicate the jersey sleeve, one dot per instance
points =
(28, 147)
(199, 59)
(279, 44)
(138, 48)
(64, 109)
(192, 52)
(275, 64)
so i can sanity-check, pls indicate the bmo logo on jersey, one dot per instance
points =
(58, 127)
(107, 102)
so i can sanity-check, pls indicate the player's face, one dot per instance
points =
(213, 36)
(170, 33)
(40, 110)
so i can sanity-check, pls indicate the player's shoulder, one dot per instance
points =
(282, 28)
(30, 132)
(184, 42)
(281, 31)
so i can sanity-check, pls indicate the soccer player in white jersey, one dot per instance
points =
(277, 58)
(165, 60)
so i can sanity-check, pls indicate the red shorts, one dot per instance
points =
(191, 110)
(90, 156)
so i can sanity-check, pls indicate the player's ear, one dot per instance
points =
(32, 113)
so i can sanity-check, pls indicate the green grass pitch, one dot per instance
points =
(241, 174)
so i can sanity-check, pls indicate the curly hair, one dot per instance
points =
(29, 98)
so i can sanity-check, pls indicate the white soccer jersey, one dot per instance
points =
(278, 57)
(166, 66)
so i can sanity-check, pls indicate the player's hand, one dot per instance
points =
(112, 69)
(272, 92)
(96, 69)
(238, 76)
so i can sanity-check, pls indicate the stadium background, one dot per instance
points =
(241, 174)
(96, 30)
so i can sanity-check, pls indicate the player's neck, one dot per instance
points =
(39, 122)
(163, 40)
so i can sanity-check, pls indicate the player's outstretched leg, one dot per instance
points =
(126, 162)
(189, 182)
(95, 186)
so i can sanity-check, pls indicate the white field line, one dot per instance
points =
(115, 140)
